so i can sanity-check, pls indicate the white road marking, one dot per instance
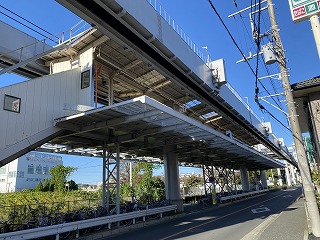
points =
(260, 210)
(287, 196)
(255, 233)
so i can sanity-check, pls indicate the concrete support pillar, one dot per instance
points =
(280, 183)
(171, 171)
(288, 177)
(263, 178)
(256, 180)
(244, 179)
(111, 93)
(293, 174)
(104, 171)
(118, 179)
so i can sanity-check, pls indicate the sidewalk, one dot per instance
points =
(291, 224)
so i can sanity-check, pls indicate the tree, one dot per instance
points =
(39, 187)
(143, 181)
(125, 171)
(316, 177)
(72, 185)
(158, 189)
(51, 185)
(193, 181)
(46, 186)
(126, 191)
(59, 175)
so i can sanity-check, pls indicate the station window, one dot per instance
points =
(11, 103)
(12, 174)
(38, 169)
(20, 174)
(45, 169)
(85, 79)
(30, 169)
(3, 170)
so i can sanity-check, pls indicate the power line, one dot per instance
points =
(237, 46)
(254, 73)
(260, 58)
(23, 24)
(232, 38)
(32, 29)
(26, 20)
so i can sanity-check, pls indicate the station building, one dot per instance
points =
(307, 98)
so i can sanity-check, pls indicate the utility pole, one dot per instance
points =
(312, 207)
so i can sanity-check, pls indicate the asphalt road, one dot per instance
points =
(226, 222)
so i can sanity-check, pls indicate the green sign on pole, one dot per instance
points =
(312, 7)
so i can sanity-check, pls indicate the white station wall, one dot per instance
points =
(83, 61)
(42, 100)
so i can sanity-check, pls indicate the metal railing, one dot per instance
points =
(175, 26)
(79, 225)
(242, 195)
(34, 51)
(43, 45)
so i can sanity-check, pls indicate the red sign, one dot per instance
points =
(299, 12)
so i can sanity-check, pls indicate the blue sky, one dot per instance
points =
(202, 25)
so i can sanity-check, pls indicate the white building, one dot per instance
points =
(26, 171)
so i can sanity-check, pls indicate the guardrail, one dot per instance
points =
(242, 195)
(76, 226)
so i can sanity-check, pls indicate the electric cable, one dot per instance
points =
(23, 24)
(264, 109)
(236, 44)
(26, 20)
(264, 64)
(256, 73)
(257, 41)
(232, 38)
(32, 29)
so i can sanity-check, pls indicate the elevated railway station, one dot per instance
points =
(131, 84)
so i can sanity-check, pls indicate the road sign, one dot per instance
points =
(303, 9)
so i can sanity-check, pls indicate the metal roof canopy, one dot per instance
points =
(144, 126)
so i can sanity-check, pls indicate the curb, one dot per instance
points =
(123, 229)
